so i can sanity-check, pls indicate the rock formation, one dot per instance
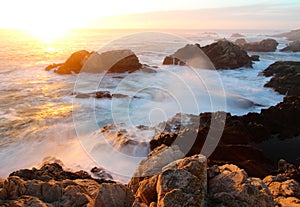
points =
(286, 77)
(292, 47)
(223, 54)
(115, 61)
(267, 45)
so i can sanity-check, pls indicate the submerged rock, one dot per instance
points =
(292, 47)
(286, 77)
(267, 45)
(223, 54)
(237, 35)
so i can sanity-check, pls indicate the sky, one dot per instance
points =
(185, 14)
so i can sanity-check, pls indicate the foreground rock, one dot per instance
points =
(231, 186)
(115, 61)
(286, 77)
(292, 47)
(237, 142)
(223, 54)
(52, 186)
(267, 45)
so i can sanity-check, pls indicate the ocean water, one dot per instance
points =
(40, 120)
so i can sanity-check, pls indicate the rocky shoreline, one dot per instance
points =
(236, 174)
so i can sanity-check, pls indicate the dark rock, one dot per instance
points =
(82, 95)
(292, 47)
(237, 35)
(74, 63)
(255, 57)
(103, 94)
(267, 45)
(286, 77)
(115, 61)
(226, 55)
(101, 173)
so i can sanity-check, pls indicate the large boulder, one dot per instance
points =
(286, 77)
(179, 183)
(115, 61)
(223, 54)
(267, 45)
(231, 186)
(292, 47)
(226, 55)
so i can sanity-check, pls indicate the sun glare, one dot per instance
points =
(46, 35)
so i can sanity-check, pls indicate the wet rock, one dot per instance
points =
(286, 77)
(292, 47)
(101, 173)
(267, 45)
(255, 57)
(226, 55)
(233, 187)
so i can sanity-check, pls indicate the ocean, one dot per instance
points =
(41, 121)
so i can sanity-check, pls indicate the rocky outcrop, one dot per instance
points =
(52, 186)
(286, 77)
(293, 35)
(115, 61)
(73, 64)
(237, 143)
(267, 45)
(226, 55)
(292, 47)
(286, 191)
(231, 186)
(177, 183)
(223, 54)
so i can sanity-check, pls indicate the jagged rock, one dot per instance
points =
(147, 190)
(285, 191)
(115, 61)
(267, 45)
(114, 195)
(286, 77)
(61, 190)
(223, 54)
(101, 173)
(233, 187)
(226, 55)
(292, 47)
(179, 188)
